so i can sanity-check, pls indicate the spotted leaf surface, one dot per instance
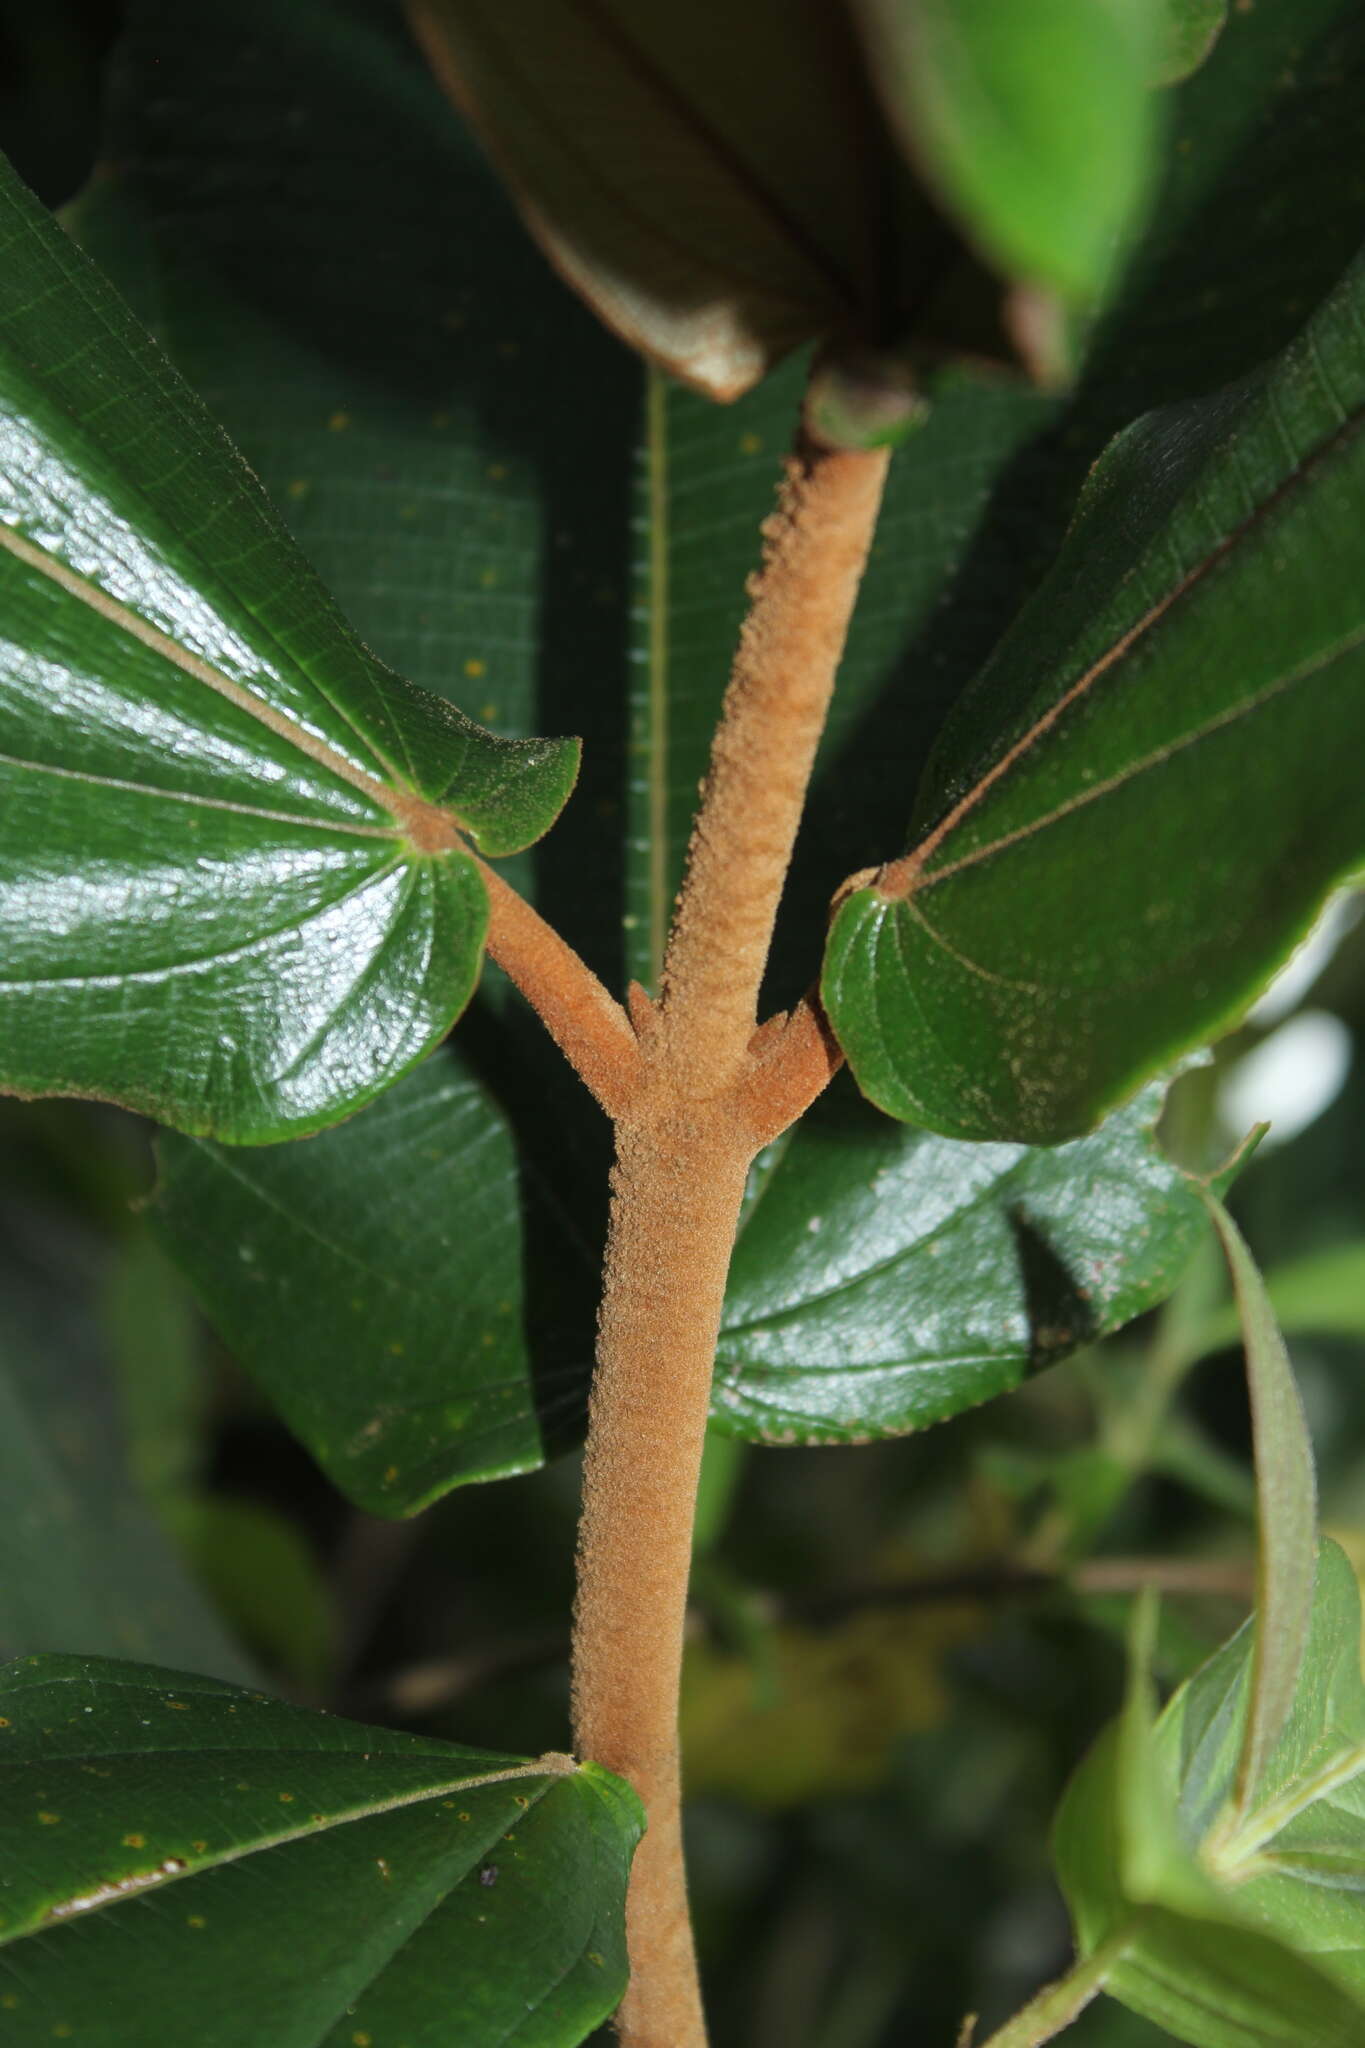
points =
(239, 889)
(299, 1879)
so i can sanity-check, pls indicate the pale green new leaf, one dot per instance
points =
(1286, 1493)
(1246, 1925)
(1033, 123)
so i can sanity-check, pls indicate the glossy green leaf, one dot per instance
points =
(1286, 1493)
(375, 1282)
(1247, 1928)
(885, 1279)
(467, 517)
(1137, 812)
(85, 1566)
(237, 896)
(1033, 124)
(708, 179)
(301, 1880)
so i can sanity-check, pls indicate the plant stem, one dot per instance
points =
(1059, 2003)
(710, 1093)
(815, 548)
(586, 1023)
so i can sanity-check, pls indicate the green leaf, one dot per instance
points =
(1033, 124)
(375, 1282)
(1286, 1493)
(467, 516)
(1248, 1926)
(1322, 1293)
(303, 1880)
(1138, 810)
(237, 893)
(84, 1566)
(1189, 30)
(704, 177)
(885, 1279)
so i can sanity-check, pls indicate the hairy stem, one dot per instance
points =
(676, 1191)
(586, 1023)
(711, 1092)
(1058, 2004)
(815, 548)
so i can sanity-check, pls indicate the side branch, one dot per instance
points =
(586, 1023)
(815, 549)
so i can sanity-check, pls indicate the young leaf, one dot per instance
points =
(1137, 811)
(303, 1880)
(1286, 1511)
(239, 891)
(1033, 124)
(1247, 1925)
(705, 177)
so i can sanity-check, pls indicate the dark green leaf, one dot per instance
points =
(84, 1566)
(303, 1880)
(374, 1281)
(1033, 124)
(1137, 812)
(1248, 1929)
(885, 1279)
(705, 177)
(468, 517)
(237, 895)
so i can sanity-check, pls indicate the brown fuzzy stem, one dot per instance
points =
(815, 548)
(588, 1025)
(712, 1092)
(676, 1192)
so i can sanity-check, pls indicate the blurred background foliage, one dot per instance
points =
(898, 1652)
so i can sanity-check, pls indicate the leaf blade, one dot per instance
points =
(1156, 716)
(209, 786)
(307, 1877)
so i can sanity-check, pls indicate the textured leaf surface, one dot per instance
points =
(1249, 1933)
(237, 897)
(477, 530)
(885, 1279)
(1136, 813)
(1033, 124)
(86, 1568)
(300, 1879)
(375, 1282)
(707, 178)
